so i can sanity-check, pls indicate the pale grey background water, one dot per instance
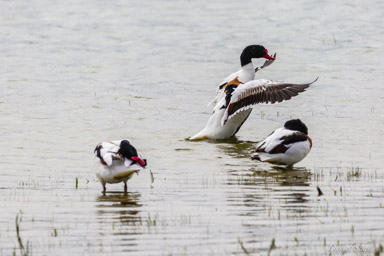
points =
(73, 74)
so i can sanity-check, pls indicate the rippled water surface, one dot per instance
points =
(75, 73)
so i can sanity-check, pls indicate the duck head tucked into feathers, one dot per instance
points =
(296, 125)
(130, 152)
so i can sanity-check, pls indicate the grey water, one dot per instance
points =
(75, 73)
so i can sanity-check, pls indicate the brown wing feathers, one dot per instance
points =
(266, 94)
(286, 140)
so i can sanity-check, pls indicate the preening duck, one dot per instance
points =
(117, 161)
(285, 146)
(239, 93)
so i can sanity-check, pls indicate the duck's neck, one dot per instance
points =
(248, 67)
(247, 73)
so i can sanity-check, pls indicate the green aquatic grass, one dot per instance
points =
(354, 173)
(54, 232)
(272, 194)
(24, 250)
(243, 247)
(272, 246)
(379, 250)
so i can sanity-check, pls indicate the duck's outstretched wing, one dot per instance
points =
(261, 91)
(266, 63)
(232, 78)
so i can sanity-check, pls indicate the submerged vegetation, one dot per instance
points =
(272, 246)
(24, 250)
(254, 198)
(353, 173)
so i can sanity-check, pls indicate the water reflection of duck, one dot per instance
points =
(293, 177)
(118, 199)
(239, 93)
(294, 187)
(235, 148)
(255, 185)
(260, 176)
(117, 161)
(124, 207)
(285, 146)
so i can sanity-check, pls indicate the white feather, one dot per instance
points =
(274, 139)
(256, 87)
(127, 162)
(228, 79)
(108, 158)
(295, 152)
(118, 168)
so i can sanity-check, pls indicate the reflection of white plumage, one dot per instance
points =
(117, 161)
(239, 93)
(285, 146)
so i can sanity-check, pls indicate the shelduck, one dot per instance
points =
(285, 146)
(117, 161)
(239, 93)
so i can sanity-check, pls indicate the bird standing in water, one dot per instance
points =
(117, 161)
(285, 146)
(239, 93)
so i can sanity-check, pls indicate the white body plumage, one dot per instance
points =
(239, 93)
(214, 128)
(284, 146)
(234, 104)
(113, 167)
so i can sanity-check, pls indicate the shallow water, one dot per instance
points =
(75, 74)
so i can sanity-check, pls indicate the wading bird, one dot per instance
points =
(117, 161)
(239, 93)
(285, 146)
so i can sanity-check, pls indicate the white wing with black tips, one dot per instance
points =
(108, 151)
(261, 91)
(283, 146)
(280, 141)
